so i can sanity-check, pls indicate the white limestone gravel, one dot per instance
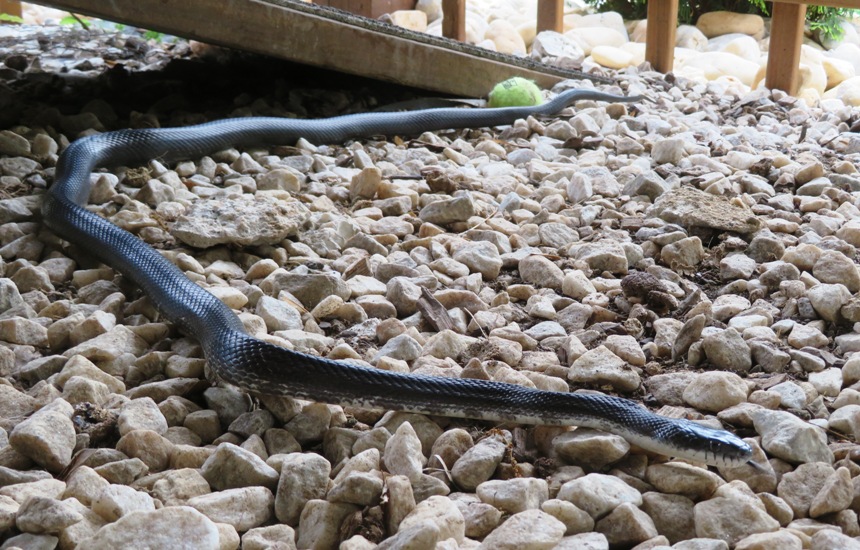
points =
(695, 252)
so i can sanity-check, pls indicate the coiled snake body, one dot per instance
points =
(257, 366)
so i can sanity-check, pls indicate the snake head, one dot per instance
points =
(712, 446)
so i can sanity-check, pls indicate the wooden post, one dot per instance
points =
(786, 37)
(11, 7)
(550, 16)
(454, 19)
(660, 36)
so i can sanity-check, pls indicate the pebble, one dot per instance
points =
(441, 512)
(141, 414)
(763, 541)
(27, 540)
(320, 523)
(243, 508)
(575, 519)
(44, 515)
(274, 536)
(827, 538)
(836, 494)
(480, 518)
(731, 519)
(737, 266)
(116, 501)
(590, 448)
(777, 508)
(532, 529)
(791, 395)
(231, 466)
(836, 268)
(304, 477)
(845, 420)
(679, 478)
(715, 391)
(361, 488)
(47, 437)
(402, 347)
(177, 486)
(151, 448)
(402, 500)
(514, 495)
(626, 525)
(802, 336)
(480, 257)
(601, 366)
(787, 437)
(828, 300)
(179, 527)
(403, 455)
(541, 272)
(727, 350)
(672, 515)
(444, 211)
(800, 487)
(220, 221)
(419, 535)
(598, 494)
(478, 463)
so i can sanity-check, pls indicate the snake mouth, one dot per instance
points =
(712, 446)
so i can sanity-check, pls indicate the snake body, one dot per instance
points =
(258, 366)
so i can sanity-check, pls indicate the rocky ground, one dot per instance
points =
(694, 252)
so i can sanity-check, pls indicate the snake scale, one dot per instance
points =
(253, 365)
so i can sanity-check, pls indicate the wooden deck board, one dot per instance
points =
(280, 31)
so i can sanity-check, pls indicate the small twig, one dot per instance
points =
(81, 21)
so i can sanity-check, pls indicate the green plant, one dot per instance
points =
(9, 18)
(72, 19)
(827, 21)
(153, 35)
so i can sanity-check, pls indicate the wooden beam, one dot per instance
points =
(11, 7)
(274, 29)
(369, 8)
(454, 19)
(786, 37)
(550, 16)
(358, 7)
(660, 34)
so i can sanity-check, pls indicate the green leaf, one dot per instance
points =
(153, 35)
(72, 20)
(9, 18)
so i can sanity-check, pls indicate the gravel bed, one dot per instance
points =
(695, 252)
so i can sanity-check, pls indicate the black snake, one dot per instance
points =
(257, 366)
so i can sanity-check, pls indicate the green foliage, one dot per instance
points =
(9, 18)
(827, 21)
(153, 35)
(73, 19)
(822, 19)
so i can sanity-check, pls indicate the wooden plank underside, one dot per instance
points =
(278, 31)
